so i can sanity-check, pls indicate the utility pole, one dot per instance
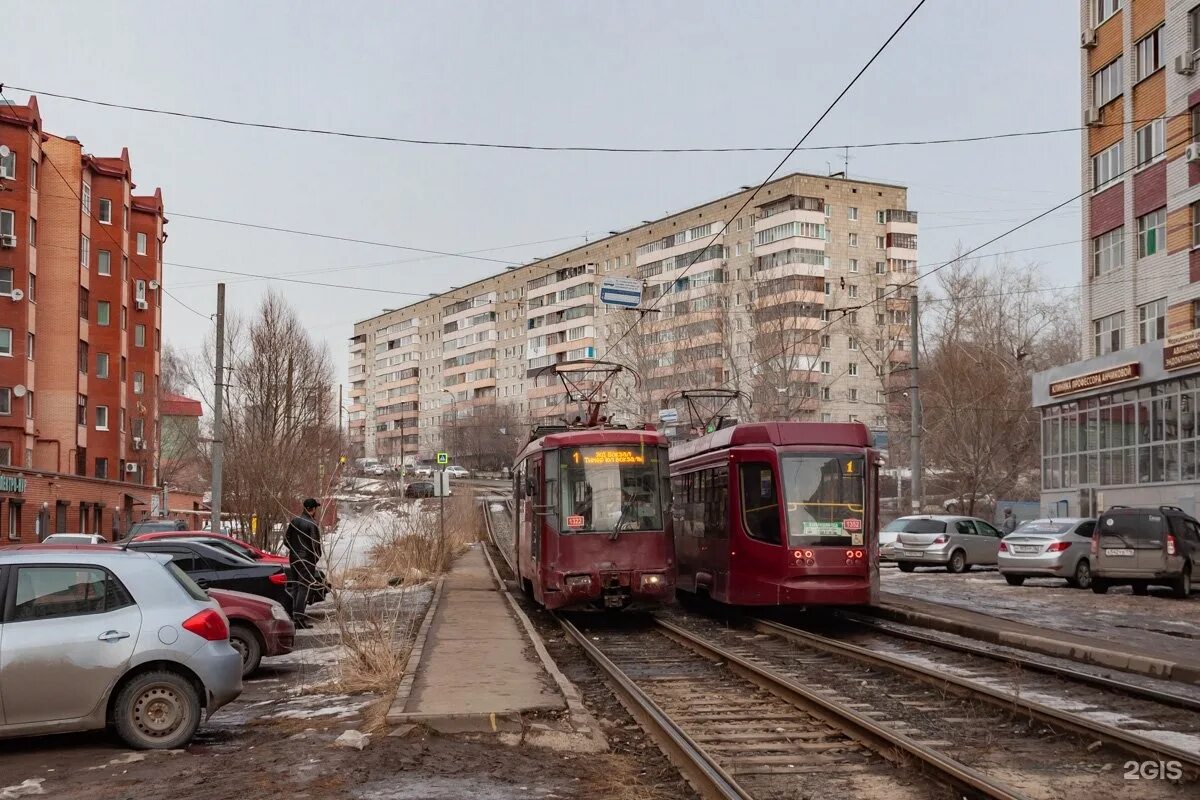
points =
(218, 444)
(914, 395)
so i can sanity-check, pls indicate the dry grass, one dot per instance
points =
(619, 778)
(422, 547)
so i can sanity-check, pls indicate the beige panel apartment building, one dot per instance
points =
(781, 305)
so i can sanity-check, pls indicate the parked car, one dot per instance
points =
(423, 472)
(211, 568)
(378, 470)
(1049, 548)
(75, 538)
(96, 637)
(152, 525)
(455, 471)
(1143, 547)
(419, 489)
(244, 549)
(257, 627)
(887, 539)
(957, 543)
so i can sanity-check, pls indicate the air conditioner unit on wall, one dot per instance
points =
(131, 468)
(139, 443)
(1193, 152)
(142, 305)
(1088, 39)
(1185, 63)
(8, 240)
(1091, 116)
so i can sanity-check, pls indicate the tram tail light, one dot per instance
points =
(576, 582)
(858, 553)
(652, 581)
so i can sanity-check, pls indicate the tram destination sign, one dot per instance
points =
(1181, 350)
(1096, 380)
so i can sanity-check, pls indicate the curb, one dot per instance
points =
(395, 714)
(1084, 653)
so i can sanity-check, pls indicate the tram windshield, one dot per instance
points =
(612, 488)
(824, 499)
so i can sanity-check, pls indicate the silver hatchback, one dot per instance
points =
(954, 542)
(1049, 548)
(93, 637)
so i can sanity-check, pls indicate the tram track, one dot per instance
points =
(757, 714)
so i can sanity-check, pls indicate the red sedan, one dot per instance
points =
(257, 627)
(244, 549)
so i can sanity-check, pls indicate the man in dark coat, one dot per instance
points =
(303, 540)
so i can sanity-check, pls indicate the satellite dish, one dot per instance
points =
(153, 284)
(19, 390)
(4, 151)
(17, 295)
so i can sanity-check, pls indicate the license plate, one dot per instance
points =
(1017, 548)
(1117, 551)
(913, 554)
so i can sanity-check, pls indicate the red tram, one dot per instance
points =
(591, 500)
(778, 513)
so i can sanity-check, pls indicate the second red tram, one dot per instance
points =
(592, 523)
(778, 513)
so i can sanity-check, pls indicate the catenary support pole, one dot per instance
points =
(914, 388)
(218, 444)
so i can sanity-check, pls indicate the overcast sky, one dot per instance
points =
(627, 74)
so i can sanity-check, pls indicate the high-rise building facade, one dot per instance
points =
(1119, 426)
(80, 329)
(801, 303)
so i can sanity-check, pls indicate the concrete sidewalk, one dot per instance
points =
(474, 673)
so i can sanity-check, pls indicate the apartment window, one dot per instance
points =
(827, 418)
(1149, 55)
(880, 217)
(1108, 252)
(1107, 82)
(5, 341)
(85, 251)
(81, 360)
(125, 220)
(124, 268)
(852, 290)
(139, 290)
(6, 280)
(103, 312)
(81, 409)
(1106, 8)
(1152, 232)
(87, 199)
(825, 341)
(138, 429)
(880, 267)
(139, 383)
(828, 211)
(1150, 142)
(101, 468)
(1194, 27)
(141, 244)
(33, 173)
(851, 212)
(880, 242)
(852, 395)
(739, 223)
(101, 365)
(6, 461)
(854, 240)
(101, 418)
(1106, 166)
(139, 335)
(29, 346)
(1152, 320)
(826, 368)
(104, 262)
(828, 288)
(8, 221)
(5, 401)
(1196, 224)
(1109, 333)
(105, 215)
(852, 343)
(29, 405)
(854, 265)
(8, 166)
(124, 318)
(32, 232)
(32, 294)
(852, 370)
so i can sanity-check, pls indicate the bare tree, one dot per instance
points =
(488, 439)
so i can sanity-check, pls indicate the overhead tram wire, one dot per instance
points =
(559, 148)
(958, 258)
(111, 238)
(750, 197)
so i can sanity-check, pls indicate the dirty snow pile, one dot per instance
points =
(350, 544)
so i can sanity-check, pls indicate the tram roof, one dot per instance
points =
(592, 437)
(829, 434)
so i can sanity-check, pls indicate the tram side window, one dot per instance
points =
(760, 502)
(716, 506)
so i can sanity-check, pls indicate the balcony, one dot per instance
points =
(900, 221)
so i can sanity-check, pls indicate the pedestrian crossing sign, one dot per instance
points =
(443, 459)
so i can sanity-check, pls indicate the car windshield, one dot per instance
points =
(613, 488)
(921, 525)
(1133, 526)
(824, 496)
(1044, 527)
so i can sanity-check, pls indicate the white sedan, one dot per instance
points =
(455, 471)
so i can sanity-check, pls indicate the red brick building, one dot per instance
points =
(80, 334)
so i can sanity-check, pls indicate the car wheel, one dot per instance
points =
(958, 562)
(1099, 586)
(1182, 587)
(1015, 580)
(157, 711)
(1141, 589)
(906, 566)
(246, 642)
(1082, 577)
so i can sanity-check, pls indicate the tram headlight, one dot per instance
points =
(577, 582)
(653, 580)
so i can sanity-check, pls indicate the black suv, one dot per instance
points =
(1141, 547)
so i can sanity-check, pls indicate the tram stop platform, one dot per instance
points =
(474, 665)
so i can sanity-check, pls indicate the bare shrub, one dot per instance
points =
(419, 548)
